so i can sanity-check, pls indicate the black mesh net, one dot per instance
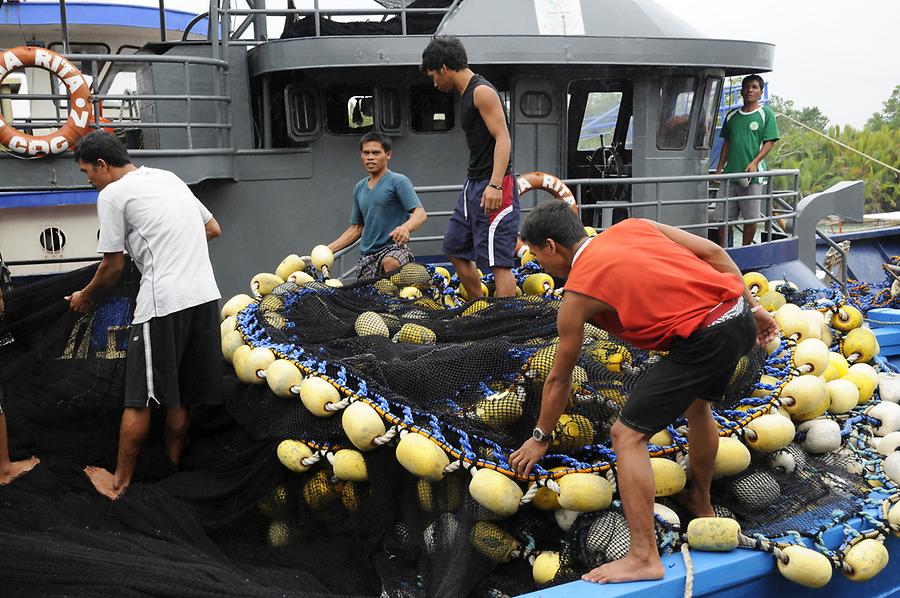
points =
(233, 521)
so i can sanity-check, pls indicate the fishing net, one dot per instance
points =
(264, 502)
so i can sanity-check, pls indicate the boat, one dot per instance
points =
(619, 99)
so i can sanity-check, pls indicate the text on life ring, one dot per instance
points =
(79, 93)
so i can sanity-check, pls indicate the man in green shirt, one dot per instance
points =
(749, 132)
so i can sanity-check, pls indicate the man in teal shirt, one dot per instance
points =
(749, 132)
(385, 211)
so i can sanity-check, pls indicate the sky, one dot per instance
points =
(842, 56)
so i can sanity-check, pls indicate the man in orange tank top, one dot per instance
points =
(657, 287)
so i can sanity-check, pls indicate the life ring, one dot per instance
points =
(549, 183)
(79, 92)
(102, 119)
(552, 185)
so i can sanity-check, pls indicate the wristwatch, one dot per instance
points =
(497, 187)
(539, 435)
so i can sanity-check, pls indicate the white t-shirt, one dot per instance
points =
(154, 216)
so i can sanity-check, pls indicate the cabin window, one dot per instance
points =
(431, 111)
(53, 239)
(303, 112)
(350, 110)
(676, 98)
(390, 109)
(536, 104)
(708, 113)
(601, 114)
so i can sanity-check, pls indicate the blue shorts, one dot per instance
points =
(487, 239)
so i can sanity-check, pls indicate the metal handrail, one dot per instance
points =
(830, 242)
(231, 36)
(219, 71)
(769, 219)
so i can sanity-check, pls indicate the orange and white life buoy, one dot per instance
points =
(549, 183)
(79, 91)
(552, 185)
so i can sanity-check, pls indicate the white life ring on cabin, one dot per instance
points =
(78, 89)
(549, 183)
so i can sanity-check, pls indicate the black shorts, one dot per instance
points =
(175, 360)
(697, 367)
(489, 240)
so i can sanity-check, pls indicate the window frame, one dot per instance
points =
(353, 89)
(532, 92)
(690, 112)
(451, 111)
(380, 93)
(289, 92)
(710, 108)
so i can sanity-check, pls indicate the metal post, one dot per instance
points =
(187, 102)
(658, 203)
(223, 39)
(162, 21)
(64, 25)
(318, 23)
(212, 34)
(769, 209)
(403, 18)
(267, 112)
(723, 184)
(260, 28)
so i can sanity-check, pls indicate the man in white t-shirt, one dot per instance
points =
(173, 357)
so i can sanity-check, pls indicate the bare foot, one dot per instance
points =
(104, 482)
(695, 502)
(17, 468)
(630, 568)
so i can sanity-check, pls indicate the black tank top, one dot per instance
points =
(478, 138)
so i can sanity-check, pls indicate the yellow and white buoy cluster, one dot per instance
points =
(821, 387)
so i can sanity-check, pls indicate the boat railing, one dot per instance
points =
(257, 15)
(780, 193)
(194, 123)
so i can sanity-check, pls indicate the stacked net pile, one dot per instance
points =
(363, 444)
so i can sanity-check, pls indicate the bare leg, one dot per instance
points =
(132, 434)
(389, 264)
(636, 488)
(177, 421)
(10, 470)
(749, 233)
(704, 443)
(468, 276)
(504, 282)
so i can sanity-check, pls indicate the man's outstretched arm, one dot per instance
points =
(105, 278)
(212, 228)
(347, 238)
(576, 309)
(417, 217)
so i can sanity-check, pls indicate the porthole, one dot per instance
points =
(536, 104)
(53, 239)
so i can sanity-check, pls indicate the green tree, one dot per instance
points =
(822, 162)
(810, 116)
(889, 117)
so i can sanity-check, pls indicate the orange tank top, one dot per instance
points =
(658, 289)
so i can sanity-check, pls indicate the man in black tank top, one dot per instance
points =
(483, 227)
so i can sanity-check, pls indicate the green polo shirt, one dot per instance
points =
(745, 133)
